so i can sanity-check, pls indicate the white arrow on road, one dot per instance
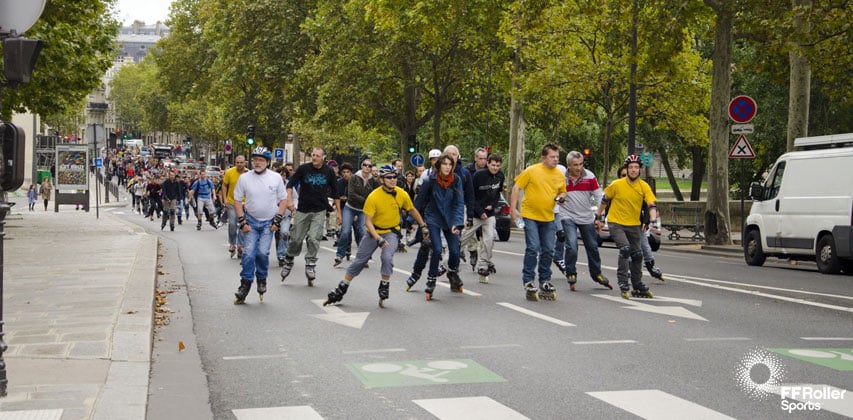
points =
(663, 310)
(338, 316)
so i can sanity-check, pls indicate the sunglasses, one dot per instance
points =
(367, 165)
(390, 177)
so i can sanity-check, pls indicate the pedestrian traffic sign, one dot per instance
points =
(742, 149)
(278, 153)
(417, 159)
(99, 162)
(742, 109)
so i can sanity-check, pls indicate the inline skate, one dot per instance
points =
(242, 291)
(336, 295)
(547, 291)
(531, 291)
(383, 292)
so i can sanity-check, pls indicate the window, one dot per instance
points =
(774, 182)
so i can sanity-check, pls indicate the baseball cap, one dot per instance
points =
(434, 153)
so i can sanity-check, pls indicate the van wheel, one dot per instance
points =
(827, 262)
(752, 251)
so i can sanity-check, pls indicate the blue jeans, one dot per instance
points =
(256, 249)
(539, 238)
(347, 215)
(234, 235)
(590, 244)
(452, 250)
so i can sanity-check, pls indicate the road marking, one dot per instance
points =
(718, 339)
(302, 412)
(372, 351)
(657, 405)
(497, 251)
(536, 314)
(493, 346)
(31, 415)
(683, 279)
(466, 408)
(441, 283)
(606, 342)
(662, 310)
(827, 338)
(260, 356)
(780, 289)
(338, 316)
(843, 405)
(422, 372)
(691, 302)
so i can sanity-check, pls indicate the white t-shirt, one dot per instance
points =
(262, 193)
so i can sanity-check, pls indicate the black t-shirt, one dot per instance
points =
(316, 186)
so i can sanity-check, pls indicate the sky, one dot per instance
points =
(149, 11)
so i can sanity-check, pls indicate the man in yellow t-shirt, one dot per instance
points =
(542, 183)
(382, 220)
(626, 197)
(226, 196)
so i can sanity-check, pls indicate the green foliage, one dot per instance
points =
(79, 39)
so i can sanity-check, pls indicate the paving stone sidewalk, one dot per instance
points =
(77, 305)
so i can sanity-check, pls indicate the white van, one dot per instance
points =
(804, 209)
(131, 143)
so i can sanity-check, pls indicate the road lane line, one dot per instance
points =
(467, 408)
(718, 339)
(260, 356)
(493, 346)
(734, 283)
(762, 294)
(373, 351)
(302, 412)
(536, 314)
(655, 404)
(827, 338)
(606, 342)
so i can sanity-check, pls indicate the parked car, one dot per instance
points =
(502, 220)
(211, 168)
(654, 237)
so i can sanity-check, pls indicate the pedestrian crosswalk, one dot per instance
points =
(637, 402)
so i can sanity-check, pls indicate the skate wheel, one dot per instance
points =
(484, 279)
(609, 286)
(572, 287)
(327, 302)
(261, 297)
(408, 288)
(238, 301)
(381, 303)
(310, 283)
(429, 296)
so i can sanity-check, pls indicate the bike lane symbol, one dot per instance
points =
(423, 372)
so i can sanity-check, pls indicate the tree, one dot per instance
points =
(79, 39)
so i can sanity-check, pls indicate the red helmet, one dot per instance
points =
(633, 159)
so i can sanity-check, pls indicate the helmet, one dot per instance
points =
(386, 170)
(263, 152)
(434, 153)
(633, 159)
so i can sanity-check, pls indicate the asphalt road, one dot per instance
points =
(490, 353)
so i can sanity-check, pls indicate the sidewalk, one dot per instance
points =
(78, 310)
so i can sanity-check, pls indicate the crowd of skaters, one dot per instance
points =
(457, 203)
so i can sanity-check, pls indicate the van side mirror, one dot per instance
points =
(756, 191)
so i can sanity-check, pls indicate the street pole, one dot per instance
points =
(4, 210)
(97, 184)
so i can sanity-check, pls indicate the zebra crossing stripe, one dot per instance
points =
(302, 412)
(655, 404)
(467, 408)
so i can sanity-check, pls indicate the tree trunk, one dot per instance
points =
(717, 211)
(698, 174)
(516, 138)
(664, 160)
(799, 89)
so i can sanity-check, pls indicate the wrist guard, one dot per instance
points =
(381, 242)
(241, 221)
(277, 220)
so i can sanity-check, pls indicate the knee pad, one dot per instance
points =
(625, 252)
(638, 255)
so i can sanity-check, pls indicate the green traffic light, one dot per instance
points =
(250, 141)
(411, 150)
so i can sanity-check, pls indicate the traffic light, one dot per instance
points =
(250, 135)
(19, 58)
(189, 141)
(412, 142)
(587, 154)
(11, 156)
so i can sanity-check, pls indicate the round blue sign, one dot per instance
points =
(418, 159)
